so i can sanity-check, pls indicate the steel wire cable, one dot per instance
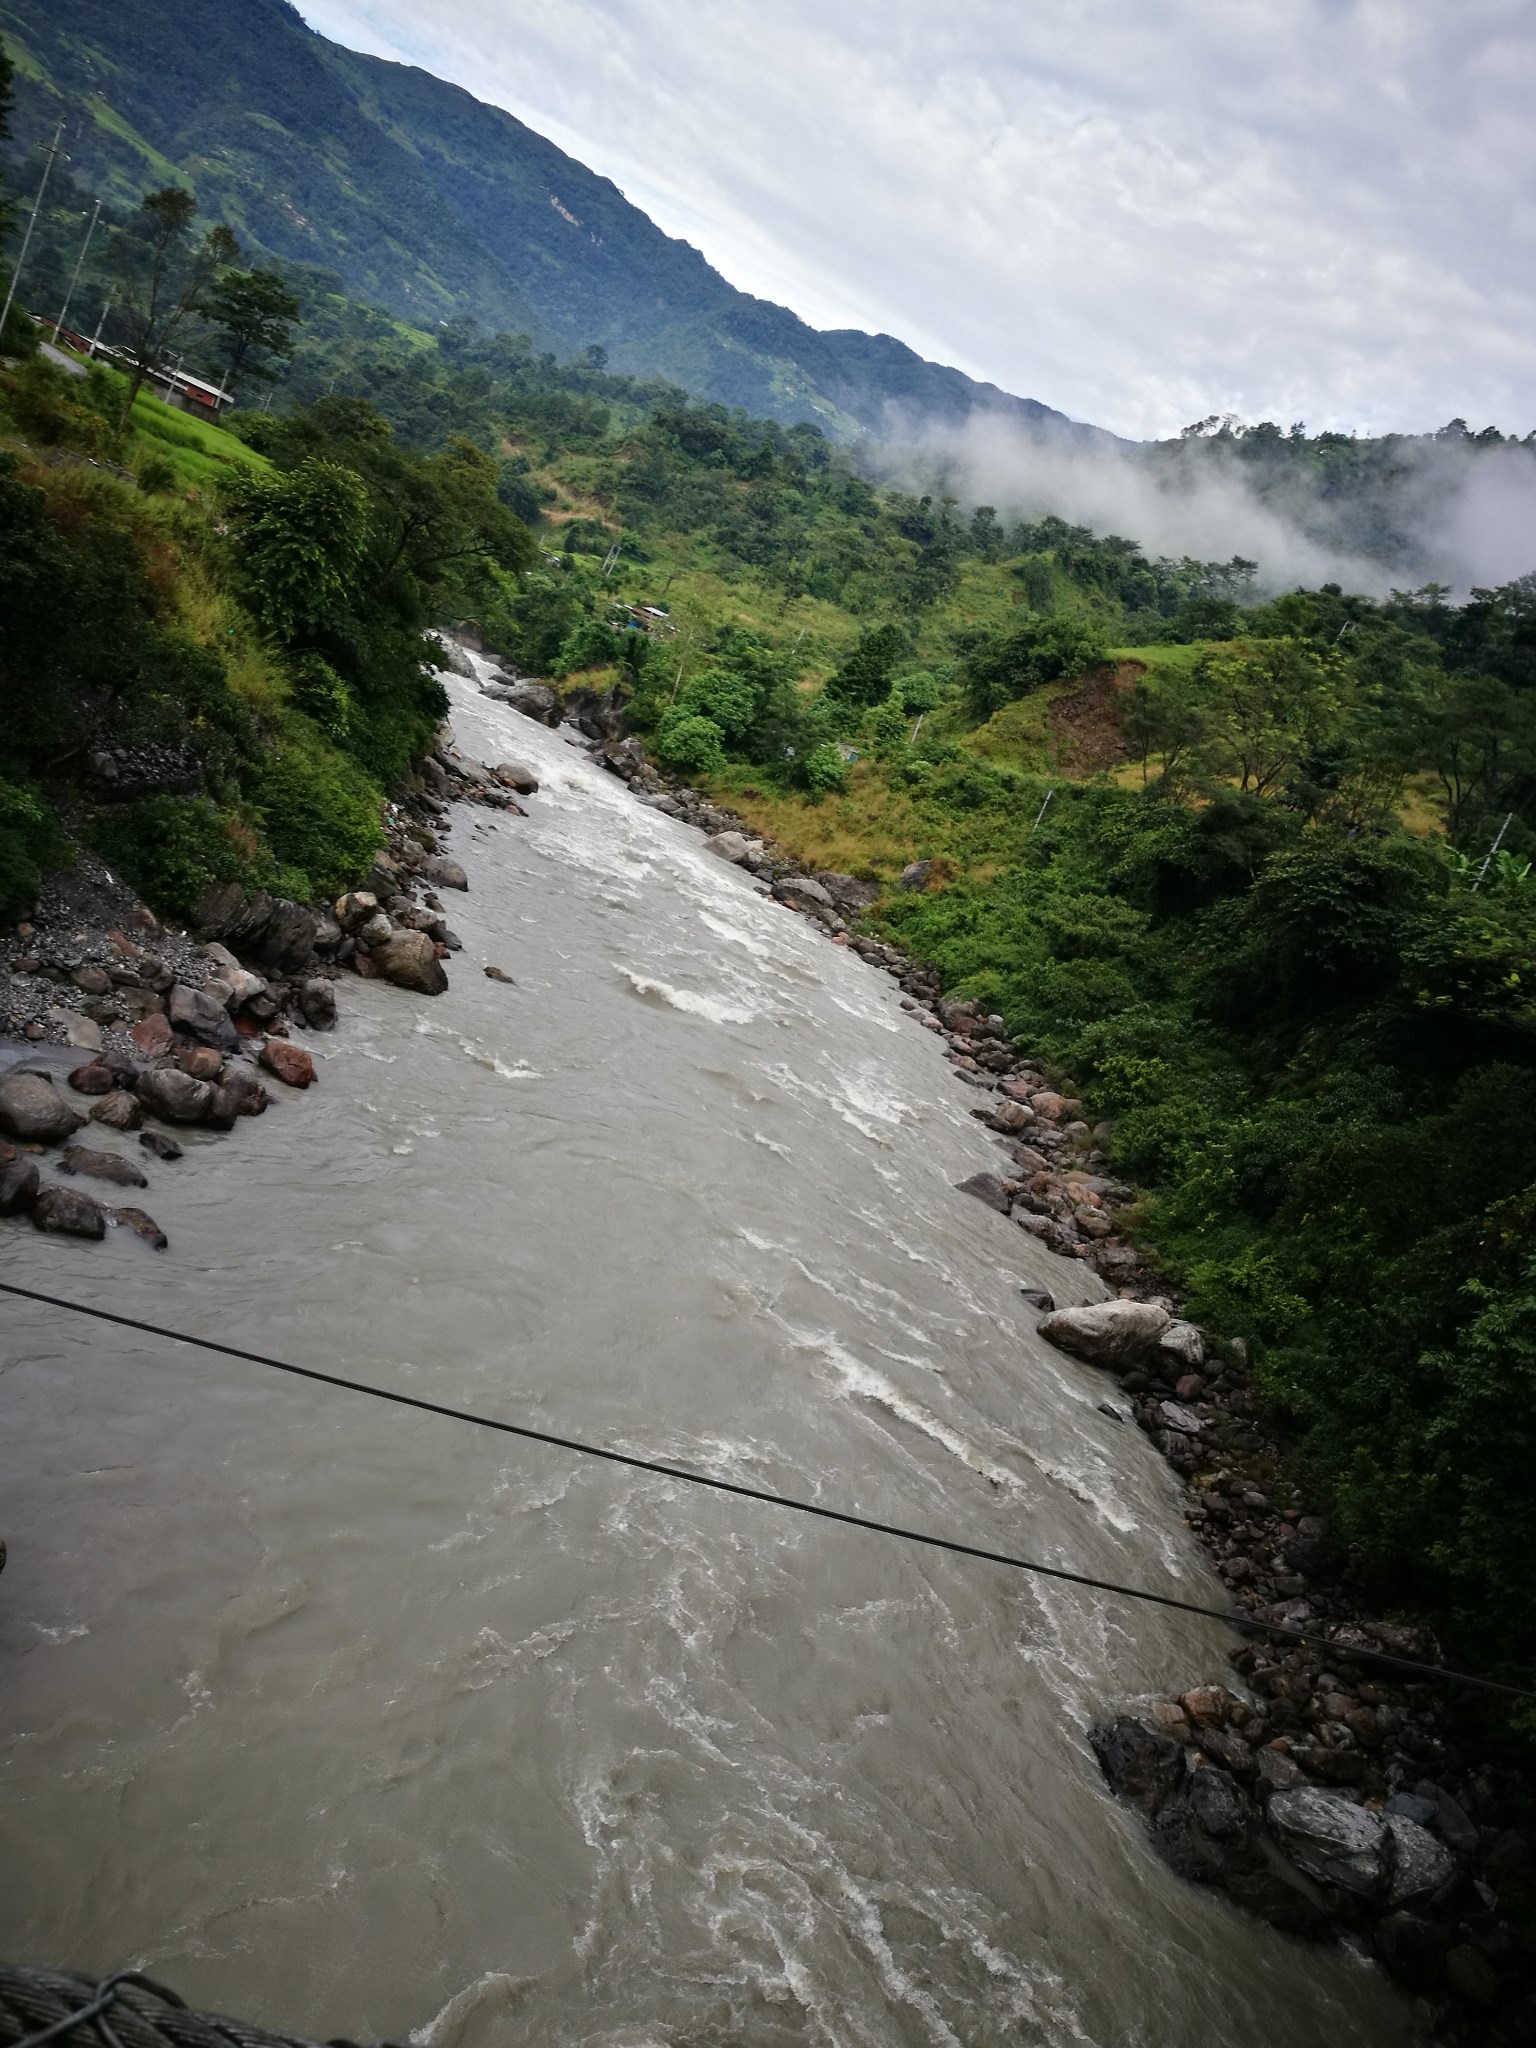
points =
(1250, 1623)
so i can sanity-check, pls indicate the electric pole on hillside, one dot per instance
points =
(79, 262)
(49, 154)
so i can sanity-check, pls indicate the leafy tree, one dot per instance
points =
(302, 537)
(865, 677)
(998, 667)
(162, 275)
(253, 313)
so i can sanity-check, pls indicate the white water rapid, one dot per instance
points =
(359, 1722)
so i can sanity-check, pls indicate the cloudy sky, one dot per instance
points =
(1140, 211)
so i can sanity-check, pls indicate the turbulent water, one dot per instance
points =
(363, 1722)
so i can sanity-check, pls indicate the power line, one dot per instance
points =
(661, 1470)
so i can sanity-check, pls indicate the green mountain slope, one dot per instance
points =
(427, 201)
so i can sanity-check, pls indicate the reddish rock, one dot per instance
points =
(152, 1036)
(202, 1062)
(1208, 1706)
(1190, 1387)
(92, 1079)
(290, 1063)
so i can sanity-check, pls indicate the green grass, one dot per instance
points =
(196, 449)
(1171, 656)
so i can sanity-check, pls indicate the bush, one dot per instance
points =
(156, 475)
(824, 770)
(29, 840)
(171, 848)
(320, 812)
(691, 744)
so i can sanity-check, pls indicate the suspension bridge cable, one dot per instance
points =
(687, 1477)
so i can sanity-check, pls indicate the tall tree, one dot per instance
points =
(162, 276)
(254, 312)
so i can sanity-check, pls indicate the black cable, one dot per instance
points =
(774, 1500)
(104, 1995)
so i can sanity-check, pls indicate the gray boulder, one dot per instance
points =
(988, 1188)
(18, 1185)
(915, 875)
(513, 775)
(287, 945)
(1110, 1333)
(1142, 1765)
(848, 893)
(69, 1212)
(451, 656)
(444, 873)
(202, 1018)
(801, 893)
(734, 847)
(34, 1111)
(1420, 1864)
(409, 960)
(1183, 1343)
(1333, 1840)
(534, 700)
(168, 1093)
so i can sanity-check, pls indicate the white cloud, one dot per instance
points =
(1315, 209)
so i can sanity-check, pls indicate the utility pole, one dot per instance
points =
(49, 154)
(1041, 813)
(106, 307)
(79, 261)
(1488, 856)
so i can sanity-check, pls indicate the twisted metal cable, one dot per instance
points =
(41, 2006)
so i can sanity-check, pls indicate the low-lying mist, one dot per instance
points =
(1395, 513)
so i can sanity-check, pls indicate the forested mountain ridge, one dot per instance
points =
(423, 199)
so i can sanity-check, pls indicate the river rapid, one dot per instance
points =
(361, 1722)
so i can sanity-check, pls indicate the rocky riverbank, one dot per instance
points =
(1333, 1795)
(122, 1031)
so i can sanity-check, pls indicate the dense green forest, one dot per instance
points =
(1225, 858)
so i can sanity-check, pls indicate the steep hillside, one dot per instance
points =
(423, 199)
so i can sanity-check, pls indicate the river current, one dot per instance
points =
(361, 1722)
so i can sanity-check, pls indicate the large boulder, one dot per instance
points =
(18, 1184)
(1142, 1766)
(513, 775)
(152, 1036)
(290, 1063)
(34, 1111)
(118, 1111)
(1420, 1864)
(444, 873)
(287, 945)
(848, 893)
(988, 1188)
(167, 1092)
(202, 1017)
(734, 847)
(69, 1212)
(451, 656)
(409, 960)
(1110, 1333)
(534, 700)
(1333, 1840)
(801, 893)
